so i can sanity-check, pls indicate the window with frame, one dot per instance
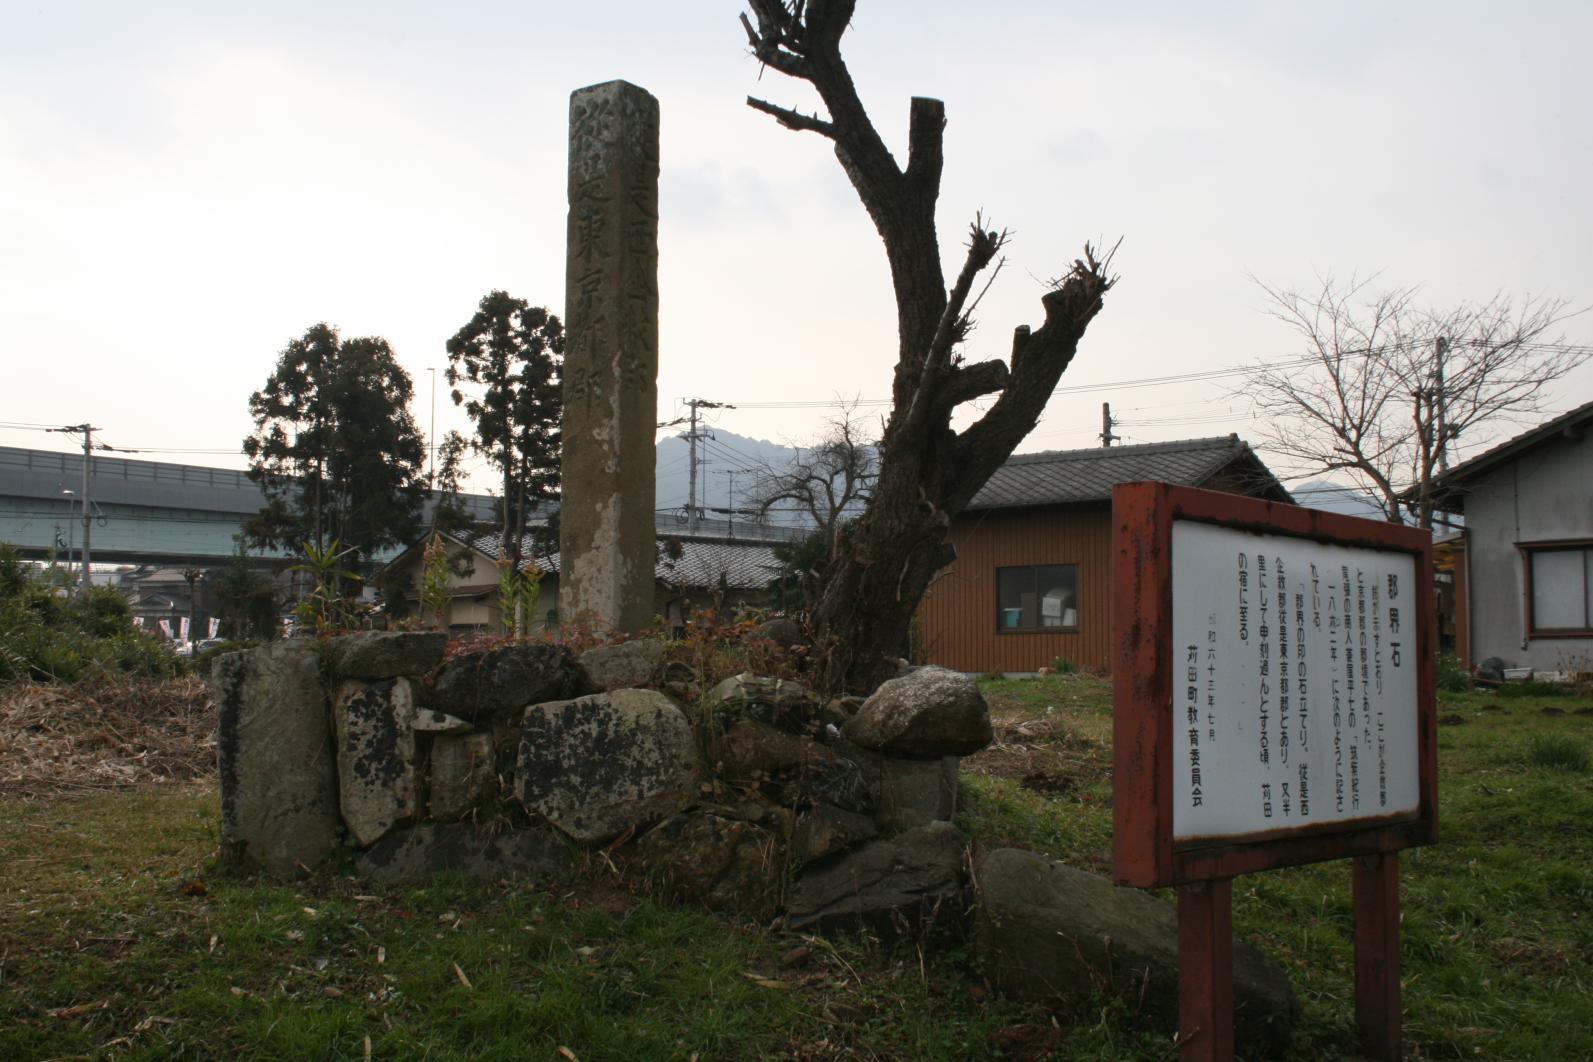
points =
(1562, 589)
(1040, 597)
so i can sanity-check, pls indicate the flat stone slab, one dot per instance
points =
(375, 755)
(386, 654)
(598, 765)
(929, 712)
(483, 686)
(1051, 932)
(420, 853)
(910, 881)
(825, 829)
(431, 721)
(276, 763)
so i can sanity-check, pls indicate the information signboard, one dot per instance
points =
(1295, 700)
(1273, 688)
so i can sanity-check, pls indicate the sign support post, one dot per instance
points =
(1375, 894)
(1205, 971)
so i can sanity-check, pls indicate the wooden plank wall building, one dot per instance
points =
(1031, 586)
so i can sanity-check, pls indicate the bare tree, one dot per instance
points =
(1386, 387)
(829, 483)
(927, 472)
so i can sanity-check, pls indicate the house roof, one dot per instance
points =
(702, 561)
(1567, 425)
(1068, 476)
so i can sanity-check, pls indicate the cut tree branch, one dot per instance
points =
(793, 119)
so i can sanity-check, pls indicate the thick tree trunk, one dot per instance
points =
(927, 472)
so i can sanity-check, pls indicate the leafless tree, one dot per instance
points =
(927, 472)
(1385, 387)
(828, 483)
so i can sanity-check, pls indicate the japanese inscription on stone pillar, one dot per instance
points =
(606, 539)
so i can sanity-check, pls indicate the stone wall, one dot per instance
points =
(754, 794)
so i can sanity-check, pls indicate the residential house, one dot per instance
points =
(164, 593)
(1031, 586)
(1523, 565)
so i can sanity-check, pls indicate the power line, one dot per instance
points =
(1188, 377)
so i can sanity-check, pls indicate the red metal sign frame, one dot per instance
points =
(1144, 853)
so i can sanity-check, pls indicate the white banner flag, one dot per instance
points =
(165, 627)
(215, 627)
(182, 629)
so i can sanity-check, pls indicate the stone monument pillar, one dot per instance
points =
(606, 536)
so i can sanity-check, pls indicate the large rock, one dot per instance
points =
(275, 759)
(626, 666)
(782, 703)
(929, 712)
(386, 654)
(911, 881)
(786, 633)
(463, 775)
(598, 765)
(482, 686)
(1051, 932)
(422, 852)
(724, 863)
(374, 723)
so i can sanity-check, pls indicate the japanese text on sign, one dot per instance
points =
(1297, 699)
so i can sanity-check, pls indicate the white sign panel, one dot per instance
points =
(1294, 693)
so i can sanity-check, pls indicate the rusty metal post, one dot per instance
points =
(1375, 895)
(1205, 971)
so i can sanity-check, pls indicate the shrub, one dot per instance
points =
(1558, 752)
(1451, 677)
(203, 660)
(46, 636)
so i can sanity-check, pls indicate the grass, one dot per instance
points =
(117, 939)
(1558, 752)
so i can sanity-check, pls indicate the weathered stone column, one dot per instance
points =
(606, 537)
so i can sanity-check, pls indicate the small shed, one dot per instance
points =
(1031, 585)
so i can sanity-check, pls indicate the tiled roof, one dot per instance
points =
(1062, 476)
(702, 561)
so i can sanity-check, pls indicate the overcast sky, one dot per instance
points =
(186, 186)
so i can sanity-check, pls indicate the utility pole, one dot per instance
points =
(1441, 349)
(1107, 438)
(87, 431)
(730, 505)
(692, 436)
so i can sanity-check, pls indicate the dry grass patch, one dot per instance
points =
(108, 733)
